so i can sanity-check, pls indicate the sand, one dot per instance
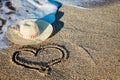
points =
(92, 40)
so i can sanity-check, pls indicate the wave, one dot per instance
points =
(87, 3)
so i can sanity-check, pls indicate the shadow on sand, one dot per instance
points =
(57, 25)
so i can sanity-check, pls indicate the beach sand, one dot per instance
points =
(92, 38)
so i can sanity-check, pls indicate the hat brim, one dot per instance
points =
(46, 30)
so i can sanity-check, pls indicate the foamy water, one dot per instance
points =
(78, 3)
(87, 4)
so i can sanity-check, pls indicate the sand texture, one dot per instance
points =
(92, 41)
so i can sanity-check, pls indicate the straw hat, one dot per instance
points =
(29, 32)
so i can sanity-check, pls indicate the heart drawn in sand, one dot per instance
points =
(40, 58)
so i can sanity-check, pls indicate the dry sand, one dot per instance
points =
(92, 38)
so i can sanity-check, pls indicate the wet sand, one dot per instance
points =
(92, 38)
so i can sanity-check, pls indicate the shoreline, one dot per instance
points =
(95, 30)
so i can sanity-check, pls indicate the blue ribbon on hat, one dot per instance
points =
(50, 18)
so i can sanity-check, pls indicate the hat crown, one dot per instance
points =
(17, 32)
(29, 30)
